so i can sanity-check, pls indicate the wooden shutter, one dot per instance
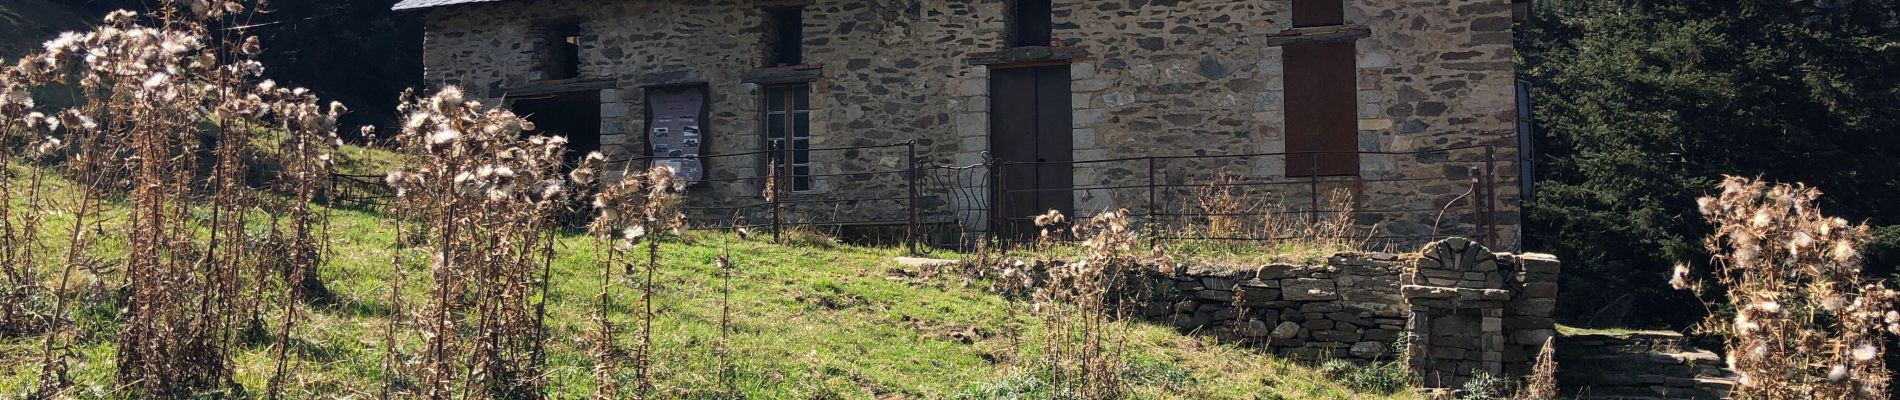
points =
(1322, 99)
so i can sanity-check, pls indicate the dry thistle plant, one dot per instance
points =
(488, 199)
(1075, 302)
(1806, 325)
(169, 118)
(1229, 213)
(634, 210)
(1236, 223)
(1542, 383)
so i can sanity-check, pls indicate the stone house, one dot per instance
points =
(1407, 106)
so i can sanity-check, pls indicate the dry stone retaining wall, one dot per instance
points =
(1457, 308)
(1639, 365)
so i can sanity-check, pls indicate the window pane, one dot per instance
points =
(775, 98)
(801, 97)
(801, 125)
(802, 155)
(801, 178)
(775, 126)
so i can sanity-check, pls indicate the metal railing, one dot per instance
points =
(738, 194)
(867, 189)
(1162, 190)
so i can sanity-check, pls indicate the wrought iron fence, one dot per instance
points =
(889, 194)
(878, 188)
(365, 192)
(1396, 198)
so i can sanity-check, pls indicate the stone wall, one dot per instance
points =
(1456, 308)
(1347, 307)
(1639, 365)
(1474, 310)
(1193, 77)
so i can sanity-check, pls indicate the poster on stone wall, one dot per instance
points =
(675, 130)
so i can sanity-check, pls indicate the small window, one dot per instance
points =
(788, 134)
(1031, 22)
(784, 36)
(564, 51)
(1311, 13)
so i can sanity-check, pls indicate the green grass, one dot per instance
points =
(809, 322)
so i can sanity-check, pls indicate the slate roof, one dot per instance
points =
(421, 4)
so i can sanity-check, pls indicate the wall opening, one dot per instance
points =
(574, 115)
(1031, 23)
(784, 36)
(563, 58)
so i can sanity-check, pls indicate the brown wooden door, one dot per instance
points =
(1029, 133)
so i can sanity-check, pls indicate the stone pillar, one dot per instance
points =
(1457, 295)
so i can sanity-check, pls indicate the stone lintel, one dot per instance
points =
(1029, 56)
(670, 78)
(540, 88)
(1318, 34)
(793, 74)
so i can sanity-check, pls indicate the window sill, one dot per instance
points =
(1030, 56)
(1318, 34)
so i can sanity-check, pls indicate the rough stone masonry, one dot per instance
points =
(1187, 77)
(1456, 307)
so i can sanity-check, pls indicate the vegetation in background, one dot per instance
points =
(25, 24)
(1806, 324)
(354, 51)
(1640, 102)
(164, 111)
(1247, 228)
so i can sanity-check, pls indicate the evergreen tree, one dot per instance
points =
(1643, 105)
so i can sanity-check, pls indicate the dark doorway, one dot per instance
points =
(575, 115)
(1029, 133)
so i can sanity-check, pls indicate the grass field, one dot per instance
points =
(808, 322)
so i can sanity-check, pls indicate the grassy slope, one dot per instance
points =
(809, 322)
(24, 24)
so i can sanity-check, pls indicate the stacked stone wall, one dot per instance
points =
(1456, 308)
(1639, 365)
(1346, 307)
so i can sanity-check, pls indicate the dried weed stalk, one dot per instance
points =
(1542, 383)
(1235, 222)
(1806, 324)
(163, 114)
(488, 199)
(635, 210)
(1076, 301)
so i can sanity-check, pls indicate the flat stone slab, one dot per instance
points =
(924, 262)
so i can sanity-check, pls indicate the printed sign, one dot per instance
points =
(673, 130)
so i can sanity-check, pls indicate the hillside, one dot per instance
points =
(809, 321)
(24, 24)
